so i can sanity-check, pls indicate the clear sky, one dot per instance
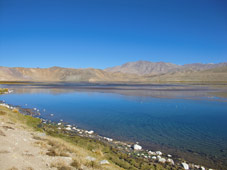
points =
(103, 33)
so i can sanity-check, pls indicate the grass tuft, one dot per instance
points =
(76, 164)
(93, 164)
(2, 113)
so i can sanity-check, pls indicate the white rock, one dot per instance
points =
(154, 157)
(74, 128)
(170, 161)
(158, 152)
(202, 168)
(104, 162)
(90, 132)
(137, 147)
(10, 91)
(197, 166)
(51, 114)
(59, 124)
(170, 156)
(108, 139)
(5, 105)
(162, 160)
(68, 128)
(151, 153)
(185, 165)
(89, 158)
(41, 134)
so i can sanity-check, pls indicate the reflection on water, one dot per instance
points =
(157, 91)
(180, 119)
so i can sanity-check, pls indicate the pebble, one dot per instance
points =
(185, 165)
(90, 132)
(202, 168)
(89, 158)
(68, 128)
(158, 152)
(170, 161)
(137, 147)
(154, 157)
(162, 160)
(151, 153)
(104, 162)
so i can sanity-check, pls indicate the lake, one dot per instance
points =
(188, 121)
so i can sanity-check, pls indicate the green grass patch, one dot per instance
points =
(3, 90)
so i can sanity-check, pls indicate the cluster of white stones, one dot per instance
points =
(158, 156)
(108, 139)
(5, 105)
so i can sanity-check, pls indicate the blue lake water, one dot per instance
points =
(187, 120)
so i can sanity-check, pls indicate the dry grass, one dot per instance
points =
(98, 152)
(61, 165)
(2, 113)
(57, 152)
(41, 144)
(76, 164)
(93, 164)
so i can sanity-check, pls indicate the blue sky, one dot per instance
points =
(103, 33)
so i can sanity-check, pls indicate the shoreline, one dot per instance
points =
(134, 150)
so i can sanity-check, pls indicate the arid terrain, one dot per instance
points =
(140, 72)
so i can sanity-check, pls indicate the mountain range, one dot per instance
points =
(140, 71)
(152, 68)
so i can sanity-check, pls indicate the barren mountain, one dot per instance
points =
(144, 68)
(213, 75)
(151, 68)
(63, 74)
(200, 66)
(141, 71)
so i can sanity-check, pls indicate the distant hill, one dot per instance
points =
(218, 74)
(63, 74)
(144, 68)
(138, 72)
(152, 68)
